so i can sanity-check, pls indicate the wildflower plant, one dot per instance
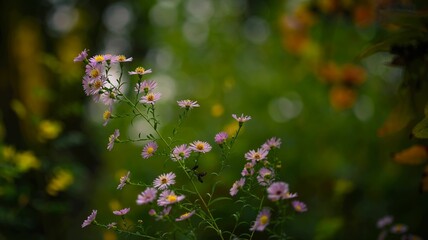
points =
(170, 199)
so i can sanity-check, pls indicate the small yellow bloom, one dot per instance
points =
(26, 160)
(61, 180)
(49, 129)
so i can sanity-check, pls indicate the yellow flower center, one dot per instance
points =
(264, 219)
(94, 73)
(150, 150)
(121, 58)
(171, 198)
(164, 181)
(99, 58)
(106, 115)
(200, 146)
(150, 97)
(185, 215)
(140, 70)
(98, 84)
(298, 208)
(257, 156)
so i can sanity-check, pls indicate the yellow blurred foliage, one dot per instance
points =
(49, 129)
(61, 180)
(26, 160)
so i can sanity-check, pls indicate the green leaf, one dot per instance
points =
(421, 129)
(218, 199)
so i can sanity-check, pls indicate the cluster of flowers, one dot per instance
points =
(385, 224)
(257, 161)
(161, 194)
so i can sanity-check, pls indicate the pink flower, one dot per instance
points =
(236, 186)
(242, 118)
(262, 220)
(150, 98)
(168, 197)
(149, 149)
(123, 181)
(180, 152)
(384, 221)
(140, 71)
(256, 156)
(248, 169)
(108, 98)
(94, 70)
(185, 216)
(221, 137)
(90, 219)
(97, 59)
(277, 190)
(272, 143)
(199, 146)
(111, 225)
(146, 86)
(265, 176)
(120, 58)
(187, 104)
(299, 206)
(164, 180)
(112, 139)
(165, 212)
(121, 212)
(82, 56)
(149, 195)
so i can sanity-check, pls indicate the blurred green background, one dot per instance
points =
(341, 82)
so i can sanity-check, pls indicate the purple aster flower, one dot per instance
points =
(399, 228)
(121, 212)
(299, 206)
(164, 180)
(152, 212)
(149, 195)
(221, 137)
(168, 197)
(97, 59)
(112, 139)
(108, 98)
(87, 85)
(96, 85)
(146, 86)
(90, 219)
(187, 104)
(93, 70)
(180, 152)
(111, 225)
(272, 143)
(140, 71)
(256, 156)
(165, 212)
(265, 176)
(236, 186)
(242, 118)
(82, 56)
(149, 149)
(123, 181)
(107, 116)
(199, 146)
(289, 195)
(277, 190)
(262, 220)
(150, 98)
(120, 58)
(185, 216)
(384, 221)
(248, 169)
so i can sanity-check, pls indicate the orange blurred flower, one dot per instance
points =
(342, 97)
